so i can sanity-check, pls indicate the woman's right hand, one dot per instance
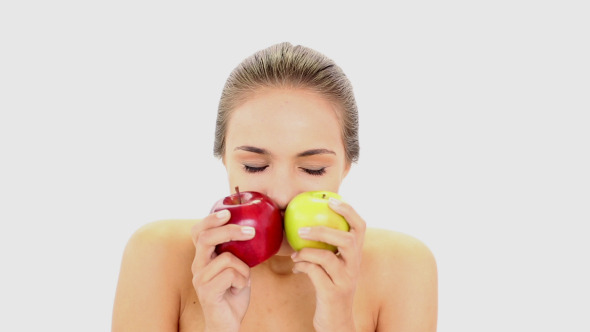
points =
(222, 282)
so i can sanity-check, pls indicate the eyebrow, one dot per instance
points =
(306, 153)
(314, 152)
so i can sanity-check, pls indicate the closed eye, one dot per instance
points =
(316, 172)
(252, 169)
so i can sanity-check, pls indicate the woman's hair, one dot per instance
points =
(286, 66)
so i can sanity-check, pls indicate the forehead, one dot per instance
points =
(285, 119)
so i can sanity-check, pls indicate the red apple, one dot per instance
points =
(250, 208)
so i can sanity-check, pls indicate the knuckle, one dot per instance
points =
(200, 225)
(333, 262)
(200, 242)
(228, 274)
(317, 269)
(309, 267)
(234, 232)
(204, 237)
(325, 254)
(201, 289)
(203, 224)
(194, 267)
(349, 240)
(302, 266)
(235, 274)
(197, 281)
(362, 224)
(195, 232)
(347, 208)
(225, 258)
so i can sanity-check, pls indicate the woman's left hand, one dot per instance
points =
(334, 275)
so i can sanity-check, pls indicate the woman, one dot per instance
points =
(287, 123)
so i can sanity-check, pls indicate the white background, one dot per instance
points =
(474, 139)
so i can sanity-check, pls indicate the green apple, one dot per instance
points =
(310, 209)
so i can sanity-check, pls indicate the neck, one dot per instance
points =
(279, 265)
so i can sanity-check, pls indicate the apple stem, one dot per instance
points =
(238, 192)
(323, 196)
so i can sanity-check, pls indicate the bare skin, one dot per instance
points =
(281, 143)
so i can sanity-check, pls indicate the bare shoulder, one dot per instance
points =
(165, 246)
(154, 268)
(385, 247)
(163, 242)
(174, 233)
(401, 272)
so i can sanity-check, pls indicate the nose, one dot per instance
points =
(282, 188)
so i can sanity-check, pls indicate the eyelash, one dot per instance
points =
(314, 172)
(251, 169)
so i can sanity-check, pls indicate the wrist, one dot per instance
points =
(347, 326)
(221, 327)
(212, 329)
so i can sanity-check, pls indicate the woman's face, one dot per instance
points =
(282, 142)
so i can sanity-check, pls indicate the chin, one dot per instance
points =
(285, 249)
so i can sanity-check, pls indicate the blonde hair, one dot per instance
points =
(286, 66)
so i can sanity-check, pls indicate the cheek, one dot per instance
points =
(332, 185)
(246, 182)
(233, 176)
(330, 182)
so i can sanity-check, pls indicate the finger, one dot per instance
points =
(349, 244)
(205, 240)
(220, 263)
(356, 223)
(213, 220)
(203, 255)
(223, 234)
(228, 279)
(318, 276)
(335, 237)
(331, 264)
(209, 238)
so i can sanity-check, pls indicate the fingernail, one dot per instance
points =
(293, 255)
(295, 271)
(303, 231)
(334, 202)
(222, 214)
(248, 230)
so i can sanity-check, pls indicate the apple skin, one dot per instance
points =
(310, 209)
(250, 208)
